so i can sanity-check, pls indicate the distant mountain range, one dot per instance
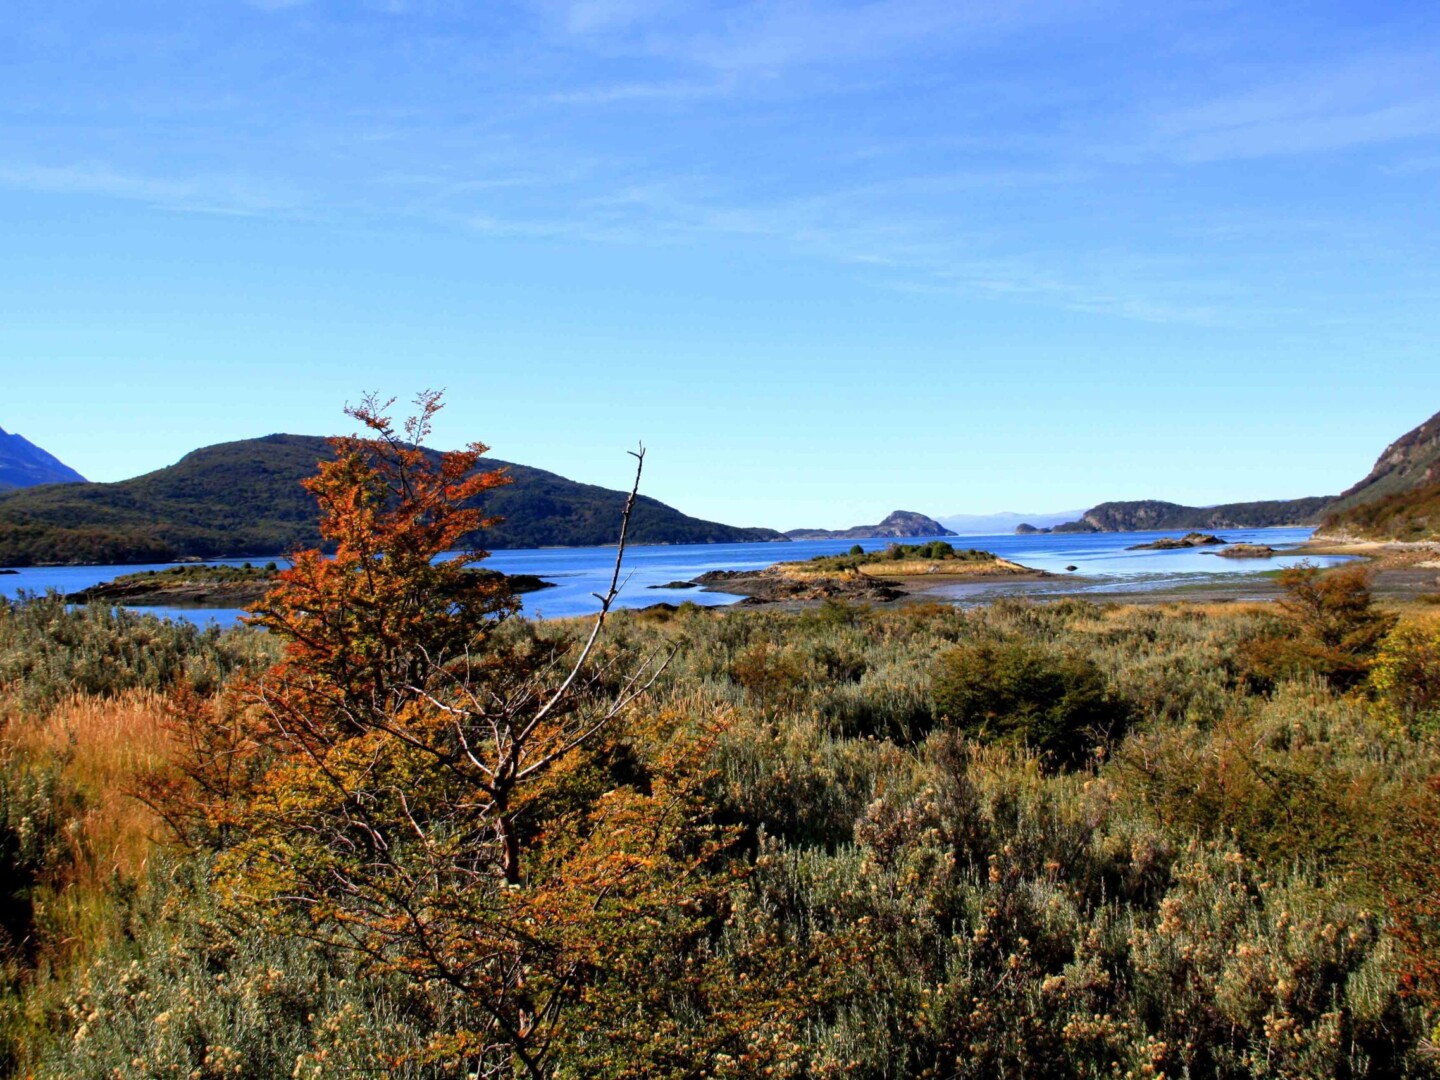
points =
(994, 524)
(23, 464)
(1398, 500)
(897, 524)
(1147, 514)
(245, 498)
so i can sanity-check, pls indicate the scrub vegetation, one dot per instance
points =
(405, 831)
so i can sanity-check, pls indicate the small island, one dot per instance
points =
(202, 585)
(895, 571)
(1175, 543)
(1246, 551)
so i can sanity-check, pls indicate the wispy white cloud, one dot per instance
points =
(777, 36)
(959, 168)
(1370, 100)
(765, 35)
(1413, 165)
(912, 254)
(597, 16)
(1115, 284)
(623, 93)
(199, 194)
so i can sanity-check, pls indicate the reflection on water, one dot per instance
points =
(1102, 561)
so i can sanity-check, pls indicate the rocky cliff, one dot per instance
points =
(1410, 462)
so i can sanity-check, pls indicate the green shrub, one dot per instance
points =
(49, 651)
(193, 996)
(1015, 692)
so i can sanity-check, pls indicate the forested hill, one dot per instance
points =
(898, 524)
(245, 498)
(1146, 514)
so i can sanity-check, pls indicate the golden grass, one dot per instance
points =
(943, 568)
(102, 746)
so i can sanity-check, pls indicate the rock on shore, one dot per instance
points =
(1174, 543)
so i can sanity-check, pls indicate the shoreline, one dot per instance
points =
(1401, 573)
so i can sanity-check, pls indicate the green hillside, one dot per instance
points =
(1410, 462)
(245, 498)
(1405, 515)
(1400, 498)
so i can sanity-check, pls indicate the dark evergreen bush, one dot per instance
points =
(1017, 692)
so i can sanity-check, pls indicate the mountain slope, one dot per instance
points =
(1411, 461)
(1400, 497)
(245, 498)
(23, 464)
(1405, 515)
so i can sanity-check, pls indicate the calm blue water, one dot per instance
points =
(1104, 568)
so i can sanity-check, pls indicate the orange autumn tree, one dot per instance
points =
(397, 600)
(473, 805)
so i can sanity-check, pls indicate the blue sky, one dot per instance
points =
(826, 260)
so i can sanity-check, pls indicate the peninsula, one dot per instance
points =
(221, 586)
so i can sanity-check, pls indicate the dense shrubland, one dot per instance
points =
(1200, 876)
(1024, 839)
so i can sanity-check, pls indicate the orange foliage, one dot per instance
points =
(457, 807)
(373, 620)
(1329, 626)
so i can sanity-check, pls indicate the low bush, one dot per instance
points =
(1242, 886)
(1054, 702)
(1406, 679)
(1327, 625)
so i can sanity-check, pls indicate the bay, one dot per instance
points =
(1105, 567)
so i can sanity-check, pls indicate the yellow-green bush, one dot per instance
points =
(1406, 679)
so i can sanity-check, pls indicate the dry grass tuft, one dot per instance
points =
(102, 746)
